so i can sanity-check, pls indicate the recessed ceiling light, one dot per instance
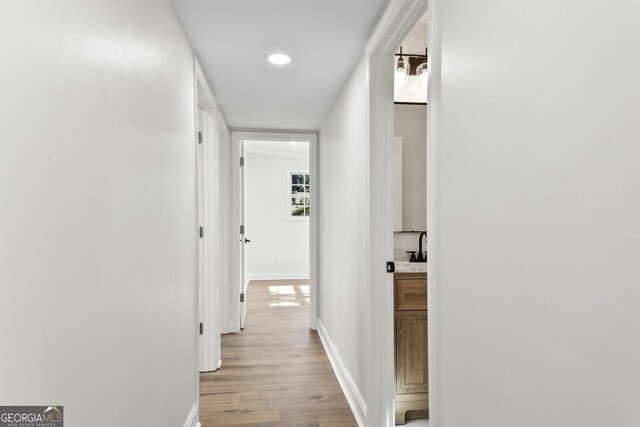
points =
(279, 58)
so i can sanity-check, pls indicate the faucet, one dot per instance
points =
(422, 256)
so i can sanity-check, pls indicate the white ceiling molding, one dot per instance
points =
(277, 153)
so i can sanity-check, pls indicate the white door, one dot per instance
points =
(209, 230)
(243, 242)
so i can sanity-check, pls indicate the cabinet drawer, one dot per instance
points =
(411, 291)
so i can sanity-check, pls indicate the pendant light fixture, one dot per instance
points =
(401, 74)
(422, 71)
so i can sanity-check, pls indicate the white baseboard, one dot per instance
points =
(192, 419)
(277, 276)
(349, 388)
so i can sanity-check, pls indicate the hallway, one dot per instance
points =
(275, 372)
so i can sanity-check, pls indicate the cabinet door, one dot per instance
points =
(411, 353)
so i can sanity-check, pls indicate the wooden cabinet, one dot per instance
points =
(412, 377)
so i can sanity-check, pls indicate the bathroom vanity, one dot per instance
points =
(410, 318)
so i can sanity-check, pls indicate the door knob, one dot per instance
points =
(247, 240)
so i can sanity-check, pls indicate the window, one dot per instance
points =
(299, 195)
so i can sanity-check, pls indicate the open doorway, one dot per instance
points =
(274, 218)
(277, 210)
(409, 175)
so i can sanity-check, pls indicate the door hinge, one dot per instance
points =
(391, 267)
(242, 229)
(201, 328)
(201, 232)
(241, 297)
(199, 137)
(241, 161)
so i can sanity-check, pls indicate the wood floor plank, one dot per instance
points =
(275, 372)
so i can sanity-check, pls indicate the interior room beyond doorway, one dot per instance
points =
(277, 210)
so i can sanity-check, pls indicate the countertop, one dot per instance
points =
(410, 267)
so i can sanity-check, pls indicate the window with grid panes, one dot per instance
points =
(299, 189)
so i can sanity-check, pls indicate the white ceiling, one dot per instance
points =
(232, 38)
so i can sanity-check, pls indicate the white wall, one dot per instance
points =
(411, 92)
(411, 125)
(279, 245)
(342, 271)
(405, 242)
(534, 213)
(97, 221)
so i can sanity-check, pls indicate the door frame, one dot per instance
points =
(236, 285)
(208, 121)
(397, 21)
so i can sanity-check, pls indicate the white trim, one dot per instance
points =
(433, 171)
(349, 387)
(314, 178)
(235, 284)
(192, 418)
(196, 319)
(277, 153)
(278, 276)
(398, 20)
(223, 255)
(275, 131)
(204, 95)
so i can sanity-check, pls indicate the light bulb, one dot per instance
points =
(423, 75)
(422, 72)
(402, 72)
(400, 78)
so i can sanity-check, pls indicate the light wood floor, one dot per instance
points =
(275, 372)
